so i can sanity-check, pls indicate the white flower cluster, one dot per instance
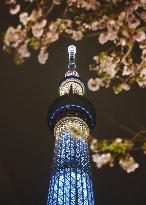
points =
(94, 84)
(43, 55)
(106, 66)
(123, 28)
(103, 159)
(125, 31)
(107, 152)
(85, 4)
(128, 164)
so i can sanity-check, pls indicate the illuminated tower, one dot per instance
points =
(71, 118)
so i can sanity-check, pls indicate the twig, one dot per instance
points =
(138, 124)
(119, 124)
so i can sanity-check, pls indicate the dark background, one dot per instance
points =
(26, 146)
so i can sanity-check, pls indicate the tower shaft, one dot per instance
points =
(71, 179)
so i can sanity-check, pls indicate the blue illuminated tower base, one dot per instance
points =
(71, 182)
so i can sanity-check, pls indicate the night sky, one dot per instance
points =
(26, 146)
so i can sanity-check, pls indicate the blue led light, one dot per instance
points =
(72, 106)
(71, 180)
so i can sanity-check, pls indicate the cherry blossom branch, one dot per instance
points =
(110, 151)
(119, 24)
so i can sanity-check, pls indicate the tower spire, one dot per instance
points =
(72, 55)
(72, 81)
(71, 71)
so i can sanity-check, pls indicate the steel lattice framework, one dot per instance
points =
(71, 182)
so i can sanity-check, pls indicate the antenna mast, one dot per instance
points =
(72, 53)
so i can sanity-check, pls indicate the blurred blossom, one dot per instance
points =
(103, 159)
(57, 2)
(24, 18)
(143, 16)
(36, 14)
(23, 50)
(123, 42)
(127, 70)
(52, 37)
(111, 33)
(38, 28)
(86, 4)
(118, 140)
(29, 0)
(143, 72)
(96, 58)
(94, 84)
(142, 79)
(112, 27)
(121, 18)
(94, 25)
(43, 55)
(128, 164)
(15, 9)
(93, 145)
(107, 151)
(103, 37)
(133, 22)
(77, 35)
(122, 30)
(14, 36)
(108, 65)
(140, 36)
(110, 68)
(125, 86)
(143, 2)
(132, 7)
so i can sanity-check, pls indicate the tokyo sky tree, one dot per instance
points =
(70, 115)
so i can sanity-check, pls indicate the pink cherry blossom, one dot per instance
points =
(24, 18)
(94, 84)
(23, 50)
(77, 35)
(14, 10)
(103, 38)
(43, 55)
(38, 28)
(133, 22)
(128, 164)
(115, 64)
(140, 36)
